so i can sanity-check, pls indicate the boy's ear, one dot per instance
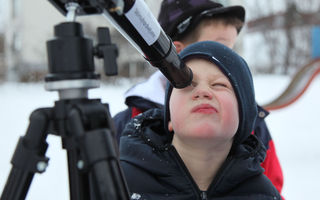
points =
(170, 128)
(179, 46)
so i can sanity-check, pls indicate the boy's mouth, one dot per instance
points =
(204, 108)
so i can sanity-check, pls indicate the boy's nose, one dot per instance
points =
(202, 93)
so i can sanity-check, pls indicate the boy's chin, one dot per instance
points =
(204, 132)
(209, 132)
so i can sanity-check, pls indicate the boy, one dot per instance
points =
(200, 146)
(186, 22)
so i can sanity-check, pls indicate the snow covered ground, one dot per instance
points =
(294, 129)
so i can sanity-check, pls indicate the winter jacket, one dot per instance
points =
(154, 170)
(150, 94)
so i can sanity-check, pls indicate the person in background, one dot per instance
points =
(187, 22)
(199, 146)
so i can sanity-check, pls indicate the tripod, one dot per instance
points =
(84, 125)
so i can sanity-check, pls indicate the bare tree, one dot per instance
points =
(286, 31)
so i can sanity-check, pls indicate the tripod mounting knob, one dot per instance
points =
(108, 51)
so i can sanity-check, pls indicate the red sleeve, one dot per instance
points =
(272, 167)
(135, 111)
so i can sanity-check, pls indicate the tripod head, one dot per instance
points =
(71, 58)
(136, 23)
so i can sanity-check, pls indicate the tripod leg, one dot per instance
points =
(104, 166)
(98, 153)
(28, 157)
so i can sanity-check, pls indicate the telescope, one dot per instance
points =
(135, 22)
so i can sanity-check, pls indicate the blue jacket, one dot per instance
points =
(154, 170)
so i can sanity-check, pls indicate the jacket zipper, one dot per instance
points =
(201, 194)
(220, 174)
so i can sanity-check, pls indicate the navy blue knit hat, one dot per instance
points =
(177, 17)
(236, 70)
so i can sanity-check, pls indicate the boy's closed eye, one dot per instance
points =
(219, 84)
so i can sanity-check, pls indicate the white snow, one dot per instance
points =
(295, 131)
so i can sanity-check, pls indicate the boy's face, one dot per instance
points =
(214, 31)
(219, 32)
(207, 109)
